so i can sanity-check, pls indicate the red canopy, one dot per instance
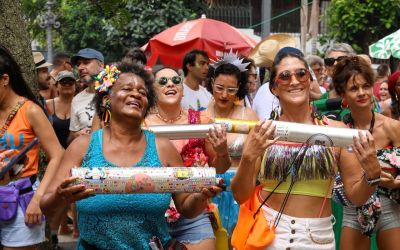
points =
(212, 36)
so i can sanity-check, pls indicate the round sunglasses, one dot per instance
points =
(301, 75)
(164, 80)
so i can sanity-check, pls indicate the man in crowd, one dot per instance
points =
(89, 63)
(195, 68)
(43, 76)
(61, 62)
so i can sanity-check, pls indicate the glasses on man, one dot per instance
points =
(301, 75)
(164, 80)
(330, 61)
(220, 89)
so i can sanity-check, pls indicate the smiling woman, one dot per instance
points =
(126, 93)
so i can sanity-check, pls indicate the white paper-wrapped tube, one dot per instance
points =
(298, 132)
(114, 180)
(287, 131)
(182, 131)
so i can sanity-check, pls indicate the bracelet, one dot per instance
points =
(372, 182)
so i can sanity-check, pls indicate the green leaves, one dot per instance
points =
(361, 22)
(110, 26)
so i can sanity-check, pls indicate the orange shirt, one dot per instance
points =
(17, 136)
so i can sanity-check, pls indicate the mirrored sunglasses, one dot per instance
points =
(164, 80)
(301, 75)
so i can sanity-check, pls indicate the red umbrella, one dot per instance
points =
(212, 36)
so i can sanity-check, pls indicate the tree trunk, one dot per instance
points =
(14, 36)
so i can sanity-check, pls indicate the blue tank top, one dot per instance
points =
(122, 221)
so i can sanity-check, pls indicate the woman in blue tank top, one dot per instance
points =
(123, 221)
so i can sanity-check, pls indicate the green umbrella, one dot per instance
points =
(386, 47)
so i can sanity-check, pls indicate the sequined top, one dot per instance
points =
(122, 221)
(315, 168)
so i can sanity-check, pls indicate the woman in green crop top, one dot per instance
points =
(353, 80)
(302, 217)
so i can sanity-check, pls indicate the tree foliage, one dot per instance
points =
(360, 23)
(110, 26)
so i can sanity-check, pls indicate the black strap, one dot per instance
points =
(32, 178)
(87, 246)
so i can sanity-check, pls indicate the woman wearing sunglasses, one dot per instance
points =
(228, 85)
(353, 80)
(121, 221)
(297, 178)
(196, 233)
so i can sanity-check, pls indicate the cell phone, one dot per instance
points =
(18, 158)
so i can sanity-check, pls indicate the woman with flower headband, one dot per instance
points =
(125, 221)
(196, 233)
(353, 80)
(229, 84)
(296, 179)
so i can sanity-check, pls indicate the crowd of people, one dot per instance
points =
(88, 118)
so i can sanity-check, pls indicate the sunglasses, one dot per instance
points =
(330, 61)
(301, 75)
(67, 82)
(220, 89)
(164, 80)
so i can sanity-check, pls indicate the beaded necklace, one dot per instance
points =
(11, 117)
(170, 120)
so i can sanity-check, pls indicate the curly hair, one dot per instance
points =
(232, 70)
(347, 68)
(127, 66)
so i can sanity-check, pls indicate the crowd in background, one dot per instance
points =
(80, 125)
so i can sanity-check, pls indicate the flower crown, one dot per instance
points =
(231, 58)
(106, 78)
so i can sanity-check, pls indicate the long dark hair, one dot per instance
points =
(9, 66)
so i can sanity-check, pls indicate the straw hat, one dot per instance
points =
(40, 62)
(264, 52)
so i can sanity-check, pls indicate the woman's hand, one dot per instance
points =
(33, 214)
(69, 192)
(388, 181)
(3, 162)
(208, 193)
(364, 149)
(218, 140)
(259, 139)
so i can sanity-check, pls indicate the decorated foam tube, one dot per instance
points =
(116, 180)
(298, 132)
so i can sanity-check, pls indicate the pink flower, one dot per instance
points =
(172, 215)
(394, 159)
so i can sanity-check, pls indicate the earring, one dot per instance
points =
(344, 104)
(106, 116)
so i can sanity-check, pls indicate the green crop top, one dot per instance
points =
(315, 171)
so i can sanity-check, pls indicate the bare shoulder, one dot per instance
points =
(79, 145)
(250, 114)
(336, 124)
(391, 127)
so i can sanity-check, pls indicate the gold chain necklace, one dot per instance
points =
(169, 120)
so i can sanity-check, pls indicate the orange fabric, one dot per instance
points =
(252, 233)
(17, 136)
